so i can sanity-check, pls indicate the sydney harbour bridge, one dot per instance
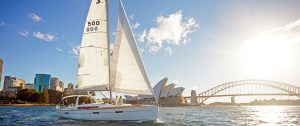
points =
(249, 88)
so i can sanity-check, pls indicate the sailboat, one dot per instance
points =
(123, 72)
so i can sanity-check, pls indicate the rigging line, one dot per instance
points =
(103, 94)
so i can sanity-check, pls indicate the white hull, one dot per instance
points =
(117, 113)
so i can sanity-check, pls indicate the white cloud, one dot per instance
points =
(44, 36)
(2, 23)
(168, 51)
(141, 50)
(291, 26)
(154, 48)
(75, 50)
(171, 30)
(24, 33)
(59, 49)
(176, 82)
(131, 17)
(34, 17)
(289, 33)
(142, 36)
(136, 25)
(186, 41)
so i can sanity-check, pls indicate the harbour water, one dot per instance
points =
(168, 116)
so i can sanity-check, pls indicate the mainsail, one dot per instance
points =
(128, 74)
(93, 67)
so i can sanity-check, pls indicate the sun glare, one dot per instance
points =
(266, 54)
(270, 114)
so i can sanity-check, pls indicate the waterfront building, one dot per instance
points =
(66, 90)
(166, 95)
(232, 100)
(177, 91)
(1, 65)
(58, 88)
(61, 85)
(169, 89)
(69, 89)
(194, 97)
(158, 90)
(41, 81)
(13, 84)
(160, 87)
(54, 82)
(29, 86)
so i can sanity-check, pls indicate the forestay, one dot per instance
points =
(128, 74)
(93, 67)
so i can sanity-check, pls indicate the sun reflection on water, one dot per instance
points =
(270, 115)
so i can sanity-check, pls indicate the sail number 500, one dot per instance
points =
(92, 26)
(92, 23)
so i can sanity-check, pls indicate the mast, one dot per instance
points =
(108, 51)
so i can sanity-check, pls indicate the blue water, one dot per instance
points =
(168, 116)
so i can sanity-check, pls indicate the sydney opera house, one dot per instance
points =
(168, 95)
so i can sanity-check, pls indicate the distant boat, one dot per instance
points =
(124, 73)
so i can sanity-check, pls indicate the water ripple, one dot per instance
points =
(168, 116)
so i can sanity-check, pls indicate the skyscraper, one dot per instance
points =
(70, 89)
(13, 84)
(61, 85)
(41, 81)
(54, 82)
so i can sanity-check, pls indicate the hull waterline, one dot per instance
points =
(136, 113)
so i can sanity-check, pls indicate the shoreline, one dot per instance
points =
(29, 104)
(38, 104)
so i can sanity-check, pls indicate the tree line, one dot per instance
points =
(48, 96)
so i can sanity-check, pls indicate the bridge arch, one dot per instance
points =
(291, 90)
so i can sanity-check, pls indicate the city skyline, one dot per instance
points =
(209, 44)
(14, 84)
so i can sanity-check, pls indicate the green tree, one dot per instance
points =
(25, 95)
(45, 96)
(36, 97)
(55, 96)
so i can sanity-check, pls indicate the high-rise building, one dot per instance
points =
(71, 86)
(54, 82)
(13, 84)
(29, 86)
(1, 65)
(61, 85)
(70, 89)
(41, 81)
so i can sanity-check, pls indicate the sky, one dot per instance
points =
(196, 44)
